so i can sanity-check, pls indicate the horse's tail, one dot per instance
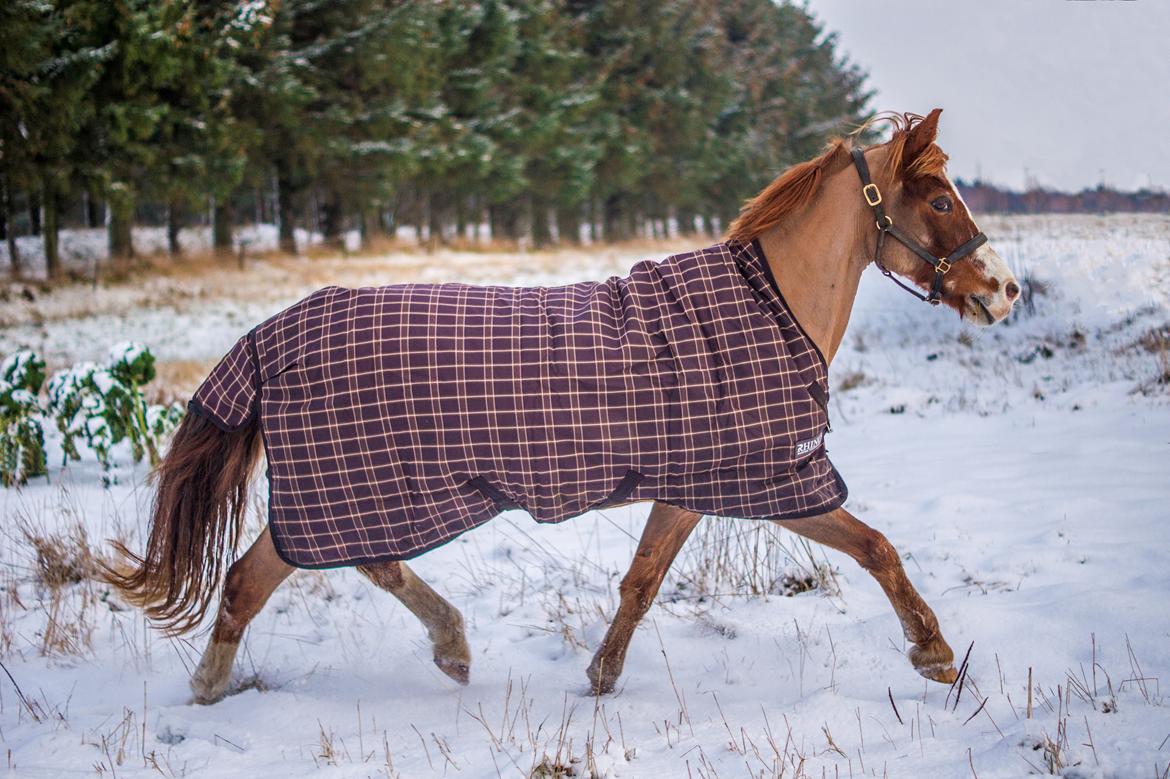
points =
(198, 516)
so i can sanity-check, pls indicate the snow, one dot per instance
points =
(1022, 472)
(15, 366)
(126, 352)
(85, 251)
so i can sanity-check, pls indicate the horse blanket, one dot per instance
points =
(395, 418)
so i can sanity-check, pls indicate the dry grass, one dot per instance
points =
(726, 558)
(270, 281)
(548, 768)
(851, 380)
(63, 565)
(60, 558)
(1156, 342)
(1031, 289)
(176, 380)
(10, 607)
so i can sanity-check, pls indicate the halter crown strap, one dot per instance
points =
(885, 225)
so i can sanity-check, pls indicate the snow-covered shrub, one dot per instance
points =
(103, 405)
(22, 437)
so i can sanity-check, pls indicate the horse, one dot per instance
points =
(816, 227)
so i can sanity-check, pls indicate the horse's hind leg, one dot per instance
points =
(443, 621)
(930, 655)
(249, 582)
(666, 531)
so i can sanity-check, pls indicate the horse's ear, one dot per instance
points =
(921, 136)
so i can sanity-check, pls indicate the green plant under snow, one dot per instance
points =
(22, 436)
(99, 406)
(103, 405)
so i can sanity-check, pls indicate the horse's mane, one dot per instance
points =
(795, 188)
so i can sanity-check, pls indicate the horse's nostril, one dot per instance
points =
(1012, 290)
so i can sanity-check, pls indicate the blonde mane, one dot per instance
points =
(796, 187)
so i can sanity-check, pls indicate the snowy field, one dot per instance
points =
(1022, 471)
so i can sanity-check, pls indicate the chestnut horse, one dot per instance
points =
(818, 225)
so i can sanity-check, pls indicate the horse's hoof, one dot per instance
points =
(944, 675)
(936, 663)
(459, 670)
(600, 683)
(205, 696)
(602, 686)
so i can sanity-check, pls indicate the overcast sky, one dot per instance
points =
(1064, 91)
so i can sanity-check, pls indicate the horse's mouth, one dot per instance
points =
(980, 307)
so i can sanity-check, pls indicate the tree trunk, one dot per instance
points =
(94, 213)
(121, 241)
(52, 260)
(617, 223)
(507, 220)
(541, 234)
(434, 221)
(332, 218)
(373, 226)
(174, 224)
(10, 231)
(34, 212)
(222, 218)
(495, 229)
(284, 198)
(568, 226)
(460, 218)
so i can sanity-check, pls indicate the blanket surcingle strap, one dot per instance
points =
(396, 418)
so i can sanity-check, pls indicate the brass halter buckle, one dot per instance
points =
(943, 266)
(873, 198)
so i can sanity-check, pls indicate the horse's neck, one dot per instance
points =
(817, 257)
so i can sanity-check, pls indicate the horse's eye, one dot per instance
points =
(941, 204)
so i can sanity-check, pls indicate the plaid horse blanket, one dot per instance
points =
(395, 418)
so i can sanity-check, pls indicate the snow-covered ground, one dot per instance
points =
(1023, 472)
(83, 252)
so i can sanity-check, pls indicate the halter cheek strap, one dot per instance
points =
(886, 226)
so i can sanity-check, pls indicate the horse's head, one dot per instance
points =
(927, 235)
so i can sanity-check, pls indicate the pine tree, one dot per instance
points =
(53, 103)
(143, 51)
(24, 45)
(793, 92)
(543, 113)
(545, 153)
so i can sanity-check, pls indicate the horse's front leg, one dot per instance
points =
(666, 531)
(930, 655)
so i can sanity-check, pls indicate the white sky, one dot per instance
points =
(1067, 90)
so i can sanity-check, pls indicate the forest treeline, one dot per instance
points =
(537, 118)
(985, 198)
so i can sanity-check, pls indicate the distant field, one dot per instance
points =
(1022, 471)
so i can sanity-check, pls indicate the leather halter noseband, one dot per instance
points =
(873, 198)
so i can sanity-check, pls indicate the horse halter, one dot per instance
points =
(885, 225)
